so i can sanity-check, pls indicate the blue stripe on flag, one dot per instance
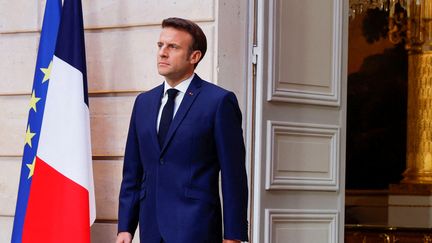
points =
(70, 44)
(40, 86)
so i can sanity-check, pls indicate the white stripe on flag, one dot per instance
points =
(64, 141)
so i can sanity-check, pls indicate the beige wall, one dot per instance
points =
(121, 48)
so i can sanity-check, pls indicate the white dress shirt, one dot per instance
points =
(182, 88)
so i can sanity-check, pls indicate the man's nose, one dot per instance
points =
(162, 52)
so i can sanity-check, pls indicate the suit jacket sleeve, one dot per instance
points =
(131, 183)
(231, 155)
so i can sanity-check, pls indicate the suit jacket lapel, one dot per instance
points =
(189, 97)
(157, 98)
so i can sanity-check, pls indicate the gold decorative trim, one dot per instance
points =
(409, 206)
(373, 234)
(410, 189)
(419, 117)
(350, 192)
(369, 227)
(375, 205)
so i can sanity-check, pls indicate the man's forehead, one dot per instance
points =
(173, 34)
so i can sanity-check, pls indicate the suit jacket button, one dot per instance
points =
(162, 161)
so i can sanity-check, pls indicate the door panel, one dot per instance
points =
(303, 51)
(299, 121)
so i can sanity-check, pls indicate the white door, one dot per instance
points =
(297, 118)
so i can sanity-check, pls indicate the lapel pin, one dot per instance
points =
(190, 93)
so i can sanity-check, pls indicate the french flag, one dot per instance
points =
(56, 200)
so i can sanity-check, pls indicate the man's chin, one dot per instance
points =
(163, 72)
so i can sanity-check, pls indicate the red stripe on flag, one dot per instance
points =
(58, 208)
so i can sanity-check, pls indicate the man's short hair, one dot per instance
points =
(199, 40)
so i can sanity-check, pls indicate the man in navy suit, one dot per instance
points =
(181, 135)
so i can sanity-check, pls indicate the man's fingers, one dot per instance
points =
(124, 237)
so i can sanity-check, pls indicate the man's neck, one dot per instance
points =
(176, 81)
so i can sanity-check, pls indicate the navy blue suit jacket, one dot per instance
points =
(173, 190)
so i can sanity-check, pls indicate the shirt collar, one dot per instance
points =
(181, 87)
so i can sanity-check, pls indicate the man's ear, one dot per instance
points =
(195, 57)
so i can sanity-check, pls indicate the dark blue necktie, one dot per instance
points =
(167, 116)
